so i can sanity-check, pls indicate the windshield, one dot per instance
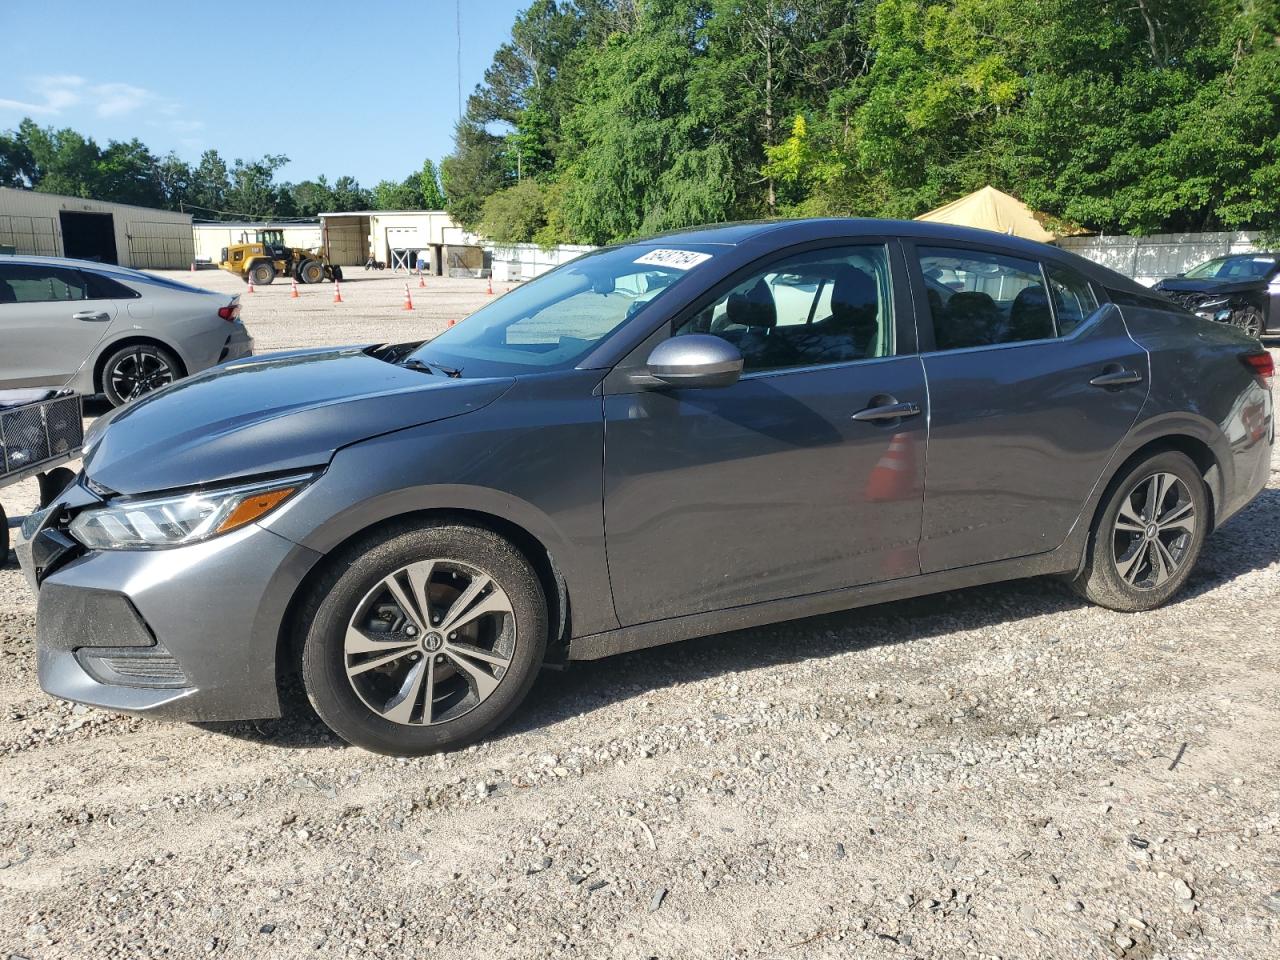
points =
(1233, 268)
(553, 322)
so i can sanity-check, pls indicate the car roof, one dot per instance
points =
(112, 270)
(58, 261)
(781, 232)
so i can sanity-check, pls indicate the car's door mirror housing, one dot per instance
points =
(696, 360)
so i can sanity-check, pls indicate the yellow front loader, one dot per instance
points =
(267, 257)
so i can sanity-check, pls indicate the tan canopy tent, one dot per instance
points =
(989, 209)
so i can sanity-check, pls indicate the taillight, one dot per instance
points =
(1262, 365)
(230, 313)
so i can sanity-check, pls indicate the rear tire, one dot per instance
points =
(1148, 536)
(262, 273)
(136, 370)
(385, 670)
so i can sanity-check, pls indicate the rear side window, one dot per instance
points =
(99, 287)
(1073, 298)
(979, 299)
(37, 283)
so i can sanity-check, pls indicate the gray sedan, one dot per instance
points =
(98, 328)
(702, 432)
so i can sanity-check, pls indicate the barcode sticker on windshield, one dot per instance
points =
(676, 259)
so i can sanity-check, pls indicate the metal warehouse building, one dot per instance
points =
(52, 225)
(393, 237)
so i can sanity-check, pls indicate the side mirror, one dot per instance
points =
(696, 360)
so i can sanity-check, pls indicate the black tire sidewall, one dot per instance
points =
(270, 273)
(334, 600)
(115, 399)
(1104, 583)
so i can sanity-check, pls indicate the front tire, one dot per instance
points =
(422, 639)
(1148, 537)
(136, 370)
(1249, 320)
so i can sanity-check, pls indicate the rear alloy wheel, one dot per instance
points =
(262, 272)
(425, 641)
(1249, 320)
(1149, 536)
(311, 271)
(136, 370)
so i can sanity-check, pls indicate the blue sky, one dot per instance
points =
(368, 89)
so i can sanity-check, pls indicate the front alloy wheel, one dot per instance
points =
(430, 642)
(1249, 320)
(421, 638)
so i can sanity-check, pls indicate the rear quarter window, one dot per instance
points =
(104, 288)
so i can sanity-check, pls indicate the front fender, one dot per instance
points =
(532, 459)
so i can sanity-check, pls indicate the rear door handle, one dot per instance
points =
(888, 411)
(1116, 377)
(96, 316)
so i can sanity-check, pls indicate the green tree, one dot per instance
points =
(516, 214)
(429, 189)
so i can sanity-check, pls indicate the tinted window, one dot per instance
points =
(99, 287)
(978, 298)
(1073, 298)
(36, 283)
(825, 306)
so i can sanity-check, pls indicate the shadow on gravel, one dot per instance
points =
(1246, 543)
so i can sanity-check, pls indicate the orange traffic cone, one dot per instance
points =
(452, 322)
(294, 294)
(408, 300)
(491, 285)
(337, 291)
(251, 284)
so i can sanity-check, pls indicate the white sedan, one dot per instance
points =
(99, 328)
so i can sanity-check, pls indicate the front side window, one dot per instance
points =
(33, 283)
(979, 299)
(821, 307)
(552, 322)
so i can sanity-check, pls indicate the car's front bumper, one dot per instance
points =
(190, 633)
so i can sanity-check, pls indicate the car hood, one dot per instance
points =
(1209, 285)
(277, 412)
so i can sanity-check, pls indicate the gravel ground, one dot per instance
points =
(996, 772)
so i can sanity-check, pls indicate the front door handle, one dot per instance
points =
(892, 410)
(96, 316)
(1116, 376)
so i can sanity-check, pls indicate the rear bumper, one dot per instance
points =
(238, 346)
(185, 634)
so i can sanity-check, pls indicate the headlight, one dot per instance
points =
(176, 521)
(1215, 304)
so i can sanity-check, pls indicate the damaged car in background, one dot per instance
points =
(1242, 290)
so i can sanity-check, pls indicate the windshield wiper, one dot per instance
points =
(428, 366)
